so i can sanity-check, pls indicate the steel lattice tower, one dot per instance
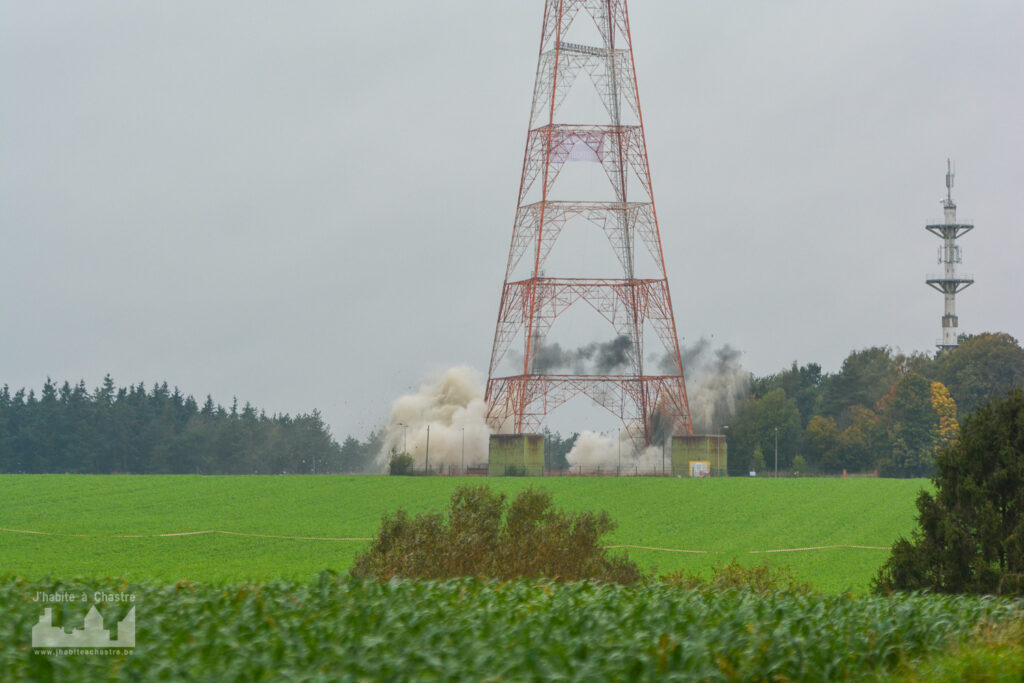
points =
(949, 282)
(651, 406)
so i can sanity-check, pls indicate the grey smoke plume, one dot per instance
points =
(716, 383)
(660, 427)
(602, 358)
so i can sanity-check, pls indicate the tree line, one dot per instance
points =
(882, 411)
(134, 430)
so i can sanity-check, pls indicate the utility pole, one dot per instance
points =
(463, 450)
(776, 452)
(725, 429)
(427, 464)
(718, 452)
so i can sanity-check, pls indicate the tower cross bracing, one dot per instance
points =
(586, 43)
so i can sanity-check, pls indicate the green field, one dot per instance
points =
(83, 520)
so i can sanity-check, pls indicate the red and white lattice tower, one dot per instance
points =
(651, 406)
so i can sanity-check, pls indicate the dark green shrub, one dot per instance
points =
(483, 536)
(401, 464)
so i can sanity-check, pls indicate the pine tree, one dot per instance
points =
(970, 537)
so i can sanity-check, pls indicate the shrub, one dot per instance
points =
(401, 464)
(757, 460)
(483, 536)
(971, 532)
(762, 579)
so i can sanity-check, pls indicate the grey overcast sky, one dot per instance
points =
(308, 204)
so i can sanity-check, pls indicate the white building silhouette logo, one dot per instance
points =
(45, 634)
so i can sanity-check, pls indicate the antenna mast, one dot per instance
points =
(949, 282)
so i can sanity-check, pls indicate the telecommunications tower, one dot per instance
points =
(949, 282)
(587, 43)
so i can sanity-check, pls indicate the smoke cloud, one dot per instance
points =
(593, 451)
(453, 400)
(659, 427)
(600, 358)
(448, 402)
(716, 383)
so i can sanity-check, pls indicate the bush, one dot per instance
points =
(761, 579)
(401, 464)
(757, 461)
(483, 536)
(971, 532)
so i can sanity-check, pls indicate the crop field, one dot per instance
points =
(243, 578)
(335, 628)
(832, 532)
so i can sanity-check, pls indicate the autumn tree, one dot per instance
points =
(821, 438)
(911, 428)
(858, 445)
(945, 408)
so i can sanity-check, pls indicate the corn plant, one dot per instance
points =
(349, 629)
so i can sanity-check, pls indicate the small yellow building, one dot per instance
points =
(700, 448)
(516, 455)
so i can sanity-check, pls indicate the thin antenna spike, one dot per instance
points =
(950, 175)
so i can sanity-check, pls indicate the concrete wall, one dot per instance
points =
(711, 448)
(515, 454)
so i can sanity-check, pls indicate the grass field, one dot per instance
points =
(82, 517)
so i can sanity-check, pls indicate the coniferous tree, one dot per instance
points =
(970, 537)
(135, 430)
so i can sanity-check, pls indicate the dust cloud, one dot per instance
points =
(594, 451)
(451, 403)
(716, 385)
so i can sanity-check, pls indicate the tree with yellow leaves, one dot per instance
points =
(945, 407)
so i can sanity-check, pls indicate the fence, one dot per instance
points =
(479, 470)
